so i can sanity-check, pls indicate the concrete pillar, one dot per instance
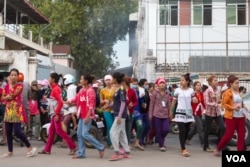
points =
(41, 41)
(30, 36)
(32, 66)
(20, 31)
(150, 68)
(1, 19)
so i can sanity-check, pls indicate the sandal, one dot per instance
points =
(139, 147)
(2, 143)
(185, 153)
(72, 152)
(43, 152)
(77, 157)
(101, 153)
(32, 152)
(115, 157)
(6, 155)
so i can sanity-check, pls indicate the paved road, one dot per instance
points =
(151, 157)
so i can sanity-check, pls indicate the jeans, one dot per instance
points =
(18, 132)
(220, 123)
(118, 135)
(56, 127)
(198, 127)
(183, 134)
(109, 119)
(83, 134)
(162, 128)
(237, 124)
(146, 128)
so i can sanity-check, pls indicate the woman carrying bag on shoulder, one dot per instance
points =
(184, 114)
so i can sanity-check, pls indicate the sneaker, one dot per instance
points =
(208, 149)
(115, 157)
(217, 153)
(163, 149)
(32, 152)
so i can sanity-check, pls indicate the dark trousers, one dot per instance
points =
(44, 118)
(220, 123)
(129, 123)
(198, 128)
(18, 132)
(162, 128)
(183, 133)
(146, 128)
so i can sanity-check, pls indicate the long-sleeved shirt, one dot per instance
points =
(85, 101)
(131, 97)
(56, 94)
(197, 107)
(212, 107)
(159, 105)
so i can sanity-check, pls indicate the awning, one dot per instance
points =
(27, 13)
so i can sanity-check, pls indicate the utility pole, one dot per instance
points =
(165, 39)
(227, 58)
(4, 18)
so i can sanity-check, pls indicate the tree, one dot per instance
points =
(91, 27)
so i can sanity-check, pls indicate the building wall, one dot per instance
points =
(174, 44)
(63, 62)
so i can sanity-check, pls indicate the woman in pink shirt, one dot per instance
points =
(159, 112)
(86, 101)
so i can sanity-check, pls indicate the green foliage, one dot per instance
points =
(91, 27)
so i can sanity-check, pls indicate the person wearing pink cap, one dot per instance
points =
(159, 112)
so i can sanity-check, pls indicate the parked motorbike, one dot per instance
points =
(95, 130)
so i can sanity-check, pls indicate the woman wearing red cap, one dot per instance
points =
(184, 114)
(159, 112)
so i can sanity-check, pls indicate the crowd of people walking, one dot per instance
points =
(129, 107)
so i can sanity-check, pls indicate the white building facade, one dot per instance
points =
(170, 32)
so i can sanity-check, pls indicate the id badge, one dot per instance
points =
(163, 103)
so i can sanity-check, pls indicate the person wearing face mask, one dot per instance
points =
(144, 103)
(137, 115)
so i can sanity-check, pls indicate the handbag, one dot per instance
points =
(189, 112)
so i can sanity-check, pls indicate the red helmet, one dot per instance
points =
(20, 77)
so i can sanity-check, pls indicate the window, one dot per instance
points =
(202, 12)
(168, 12)
(236, 12)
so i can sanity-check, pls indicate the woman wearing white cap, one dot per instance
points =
(106, 99)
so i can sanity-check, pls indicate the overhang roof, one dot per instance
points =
(26, 11)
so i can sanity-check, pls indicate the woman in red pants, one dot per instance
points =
(56, 105)
(234, 116)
